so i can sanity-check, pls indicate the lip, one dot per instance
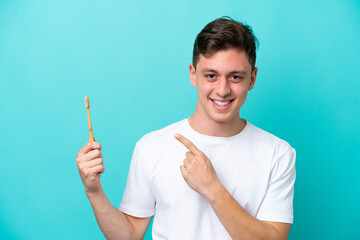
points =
(221, 108)
(222, 100)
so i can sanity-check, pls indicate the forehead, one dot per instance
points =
(225, 61)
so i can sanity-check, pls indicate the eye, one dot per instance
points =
(236, 78)
(210, 76)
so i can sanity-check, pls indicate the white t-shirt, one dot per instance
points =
(256, 167)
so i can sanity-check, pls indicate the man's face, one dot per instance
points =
(222, 81)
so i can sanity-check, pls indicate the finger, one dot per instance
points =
(183, 170)
(94, 162)
(90, 146)
(187, 163)
(91, 172)
(187, 143)
(190, 156)
(90, 156)
(102, 169)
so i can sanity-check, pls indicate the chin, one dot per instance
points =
(223, 119)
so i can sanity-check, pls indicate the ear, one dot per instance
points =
(192, 74)
(253, 78)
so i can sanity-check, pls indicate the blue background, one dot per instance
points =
(131, 58)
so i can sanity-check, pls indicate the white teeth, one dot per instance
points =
(221, 103)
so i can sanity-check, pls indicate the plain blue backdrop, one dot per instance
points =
(131, 58)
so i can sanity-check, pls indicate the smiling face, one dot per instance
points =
(222, 81)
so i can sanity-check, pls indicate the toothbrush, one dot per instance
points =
(87, 105)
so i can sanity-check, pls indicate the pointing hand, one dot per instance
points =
(197, 169)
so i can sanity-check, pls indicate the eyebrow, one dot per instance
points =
(214, 71)
(238, 72)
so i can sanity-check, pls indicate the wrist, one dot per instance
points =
(91, 193)
(214, 191)
(99, 202)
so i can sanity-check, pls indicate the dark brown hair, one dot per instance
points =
(222, 34)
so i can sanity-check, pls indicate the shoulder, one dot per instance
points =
(267, 140)
(161, 137)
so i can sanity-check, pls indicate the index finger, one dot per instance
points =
(187, 143)
(90, 146)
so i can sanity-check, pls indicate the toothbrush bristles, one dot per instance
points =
(87, 103)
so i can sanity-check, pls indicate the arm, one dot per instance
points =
(113, 223)
(238, 222)
(200, 175)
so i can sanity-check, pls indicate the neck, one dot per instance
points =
(217, 129)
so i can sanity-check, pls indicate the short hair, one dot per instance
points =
(222, 34)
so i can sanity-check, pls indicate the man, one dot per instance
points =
(211, 176)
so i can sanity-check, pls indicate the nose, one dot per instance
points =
(223, 88)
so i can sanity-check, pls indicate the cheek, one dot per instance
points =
(241, 91)
(204, 88)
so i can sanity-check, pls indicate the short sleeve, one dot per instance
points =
(277, 205)
(138, 199)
